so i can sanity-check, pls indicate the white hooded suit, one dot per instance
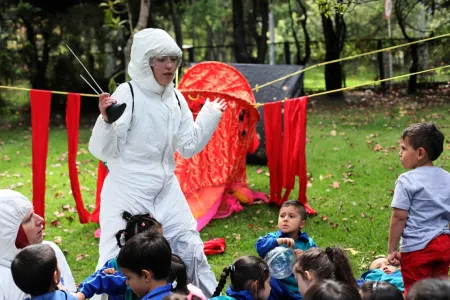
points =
(139, 149)
(13, 209)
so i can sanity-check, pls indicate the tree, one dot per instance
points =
(405, 10)
(258, 14)
(334, 42)
(307, 42)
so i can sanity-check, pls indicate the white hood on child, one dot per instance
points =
(149, 43)
(13, 208)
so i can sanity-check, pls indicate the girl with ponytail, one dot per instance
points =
(317, 264)
(250, 279)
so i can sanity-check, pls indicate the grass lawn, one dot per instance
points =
(352, 162)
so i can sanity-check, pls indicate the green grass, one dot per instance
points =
(341, 147)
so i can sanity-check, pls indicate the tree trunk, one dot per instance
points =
(262, 38)
(176, 24)
(294, 33)
(240, 51)
(36, 66)
(334, 39)
(412, 82)
(305, 59)
(144, 12)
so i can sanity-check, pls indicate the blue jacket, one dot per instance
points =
(286, 288)
(395, 278)
(56, 295)
(112, 284)
(159, 293)
(232, 295)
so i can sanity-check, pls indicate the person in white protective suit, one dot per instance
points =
(20, 227)
(139, 150)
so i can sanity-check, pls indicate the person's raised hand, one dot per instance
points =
(219, 104)
(104, 102)
(110, 271)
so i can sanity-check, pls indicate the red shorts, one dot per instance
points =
(431, 262)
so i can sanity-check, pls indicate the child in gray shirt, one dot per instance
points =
(421, 208)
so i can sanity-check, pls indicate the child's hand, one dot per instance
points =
(394, 258)
(287, 241)
(79, 295)
(298, 252)
(110, 271)
(61, 287)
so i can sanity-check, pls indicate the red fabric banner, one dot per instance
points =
(286, 153)
(274, 143)
(40, 118)
(72, 125)
(101, 175)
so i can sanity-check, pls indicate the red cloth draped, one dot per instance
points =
(72, 124)
(286, 153)
(40, 119)
(101, 175)
(274, 142)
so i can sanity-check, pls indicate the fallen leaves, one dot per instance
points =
(352, 251)
(81, 257)
(335, 185)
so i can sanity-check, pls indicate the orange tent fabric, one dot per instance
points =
(214, 181)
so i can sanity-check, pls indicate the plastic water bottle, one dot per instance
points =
(281, 261)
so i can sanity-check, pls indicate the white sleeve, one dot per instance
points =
(194, 136)
(107, 140)
(66, 274)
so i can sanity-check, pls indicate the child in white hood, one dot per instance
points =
(20, 227)
(139, 148)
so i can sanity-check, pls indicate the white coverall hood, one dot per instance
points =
(147, 43)
(13, 207)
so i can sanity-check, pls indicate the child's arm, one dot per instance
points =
(398, 221)
(102, 283)
(266, 243)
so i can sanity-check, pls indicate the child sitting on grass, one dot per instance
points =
(35, 271)
(315, 265)
(109, 280)
(249, 280)
(421, 208)
(145, 261)
(291, 221)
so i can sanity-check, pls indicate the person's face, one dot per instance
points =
(304, 280)
(263, 294)
(138, 283)
(410, 157)
(382, 264)
(289, 220)
(32, 226)
(164, 68)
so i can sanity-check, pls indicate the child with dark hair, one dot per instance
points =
(315, 265)
(249, 280)
(430, 289)
(35, 271)
(109, 280)
(380, 290)
(291, 221)
(421, 208)
(382, 270)
(145, 260)
(332, 290)
(180, 282)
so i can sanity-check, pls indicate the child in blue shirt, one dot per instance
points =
(250, 278)
(381, 270)
(35, 271)
(291, 221)
(109, 280)
(145, 261)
